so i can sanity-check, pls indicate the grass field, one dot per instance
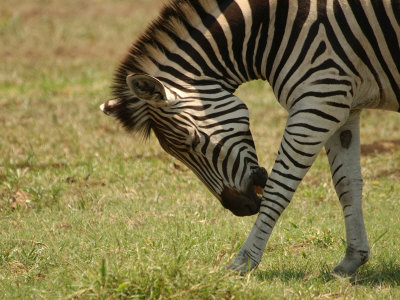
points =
(88, 211)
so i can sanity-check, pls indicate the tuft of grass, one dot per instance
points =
(86, 211)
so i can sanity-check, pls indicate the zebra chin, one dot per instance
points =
(241, 204)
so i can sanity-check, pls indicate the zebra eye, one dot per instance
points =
(157, 96)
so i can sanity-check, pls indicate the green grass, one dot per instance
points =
(88, 211)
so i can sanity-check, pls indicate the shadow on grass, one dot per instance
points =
(385, 273)
(282, 274)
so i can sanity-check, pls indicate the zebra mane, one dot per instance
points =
(173, 13)
(139, 60)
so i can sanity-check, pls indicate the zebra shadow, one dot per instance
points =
(282, 275)
(385, 273)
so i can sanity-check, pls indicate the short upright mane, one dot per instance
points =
(176, 11)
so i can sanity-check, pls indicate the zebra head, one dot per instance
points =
(205, 128)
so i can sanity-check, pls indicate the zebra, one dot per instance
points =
(326, 61)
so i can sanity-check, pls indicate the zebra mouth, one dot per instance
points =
(246, 203)
(259, 178)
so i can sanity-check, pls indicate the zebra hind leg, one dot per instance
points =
(343, 150)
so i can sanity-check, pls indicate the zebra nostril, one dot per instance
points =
(109, 106)
(259, 177)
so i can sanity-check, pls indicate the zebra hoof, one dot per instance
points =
(242, 264)
(346, 268)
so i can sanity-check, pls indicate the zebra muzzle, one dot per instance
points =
(259, 178)
(109, 107)
(246, 203)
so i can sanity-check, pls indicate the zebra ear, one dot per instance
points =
(146, 87)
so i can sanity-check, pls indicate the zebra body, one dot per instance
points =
(326, 60)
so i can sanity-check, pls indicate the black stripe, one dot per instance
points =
(332, 37)
(333, 160)
(297, 134)
(204, 169)
(236, 164)
(235, 18)
(240, 120)
(337, 104)
(286, 187)
(336, 170)
(352, 39)
(318, 95)
(278, 195)
(265, 223)
(198, 36)
(224, 103)
(320, 50)
(328, 64)
(296, 150)
(197, 57)
(289, 176)
(332, 81)
(217, 114)
(312, 33)
(295, 163)
(218, 34)
(221, 143)
(260, 22)
(281, 14)
(307, 143)
(179, 60)
(342, 194)
(396, 10)
(263, 10)
(272, 209)
(313, 128)
(301, 16)
(391, 41)
(318, 113)
(281, 162)
(268, 216)
(339, 181)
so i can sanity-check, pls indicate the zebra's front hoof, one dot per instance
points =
(242, 263)
(351, 262)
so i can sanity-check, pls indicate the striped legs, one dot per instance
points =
(343, 150)
(307, 130)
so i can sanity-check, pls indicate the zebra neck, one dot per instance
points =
(228, 42)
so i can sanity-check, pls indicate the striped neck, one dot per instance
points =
(204, 42)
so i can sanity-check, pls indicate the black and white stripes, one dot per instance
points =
(325, 59)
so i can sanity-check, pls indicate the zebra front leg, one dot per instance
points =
(343, 150)
(306, 132)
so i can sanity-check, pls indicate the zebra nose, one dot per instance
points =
(259, 177)
(109, 106)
